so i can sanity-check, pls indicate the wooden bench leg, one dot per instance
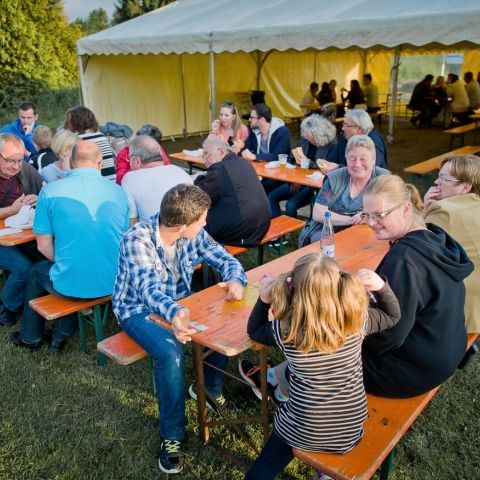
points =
(264, 402)
(387, 466)
(81, 328)
(260, 255)
(98, 322)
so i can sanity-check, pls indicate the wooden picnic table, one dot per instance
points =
(283, 174)
(25, 236)
(475, 116)
(226, 322)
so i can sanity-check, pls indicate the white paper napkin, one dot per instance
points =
(23, 218)
(273, 164)
(194, 153)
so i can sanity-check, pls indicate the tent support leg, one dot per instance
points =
(393, 93)
(213, 93)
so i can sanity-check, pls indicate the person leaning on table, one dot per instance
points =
(157, 259)
(19, 186)
(425, 268)
(454, 204)
(343, 189)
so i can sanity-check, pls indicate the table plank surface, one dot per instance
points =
(281, 173)
(355, 247)
(433, 164)
(25, 236)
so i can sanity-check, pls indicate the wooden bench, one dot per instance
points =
(460, 132)
(388, 420)
(279, 227)
(52, 307)
(433, 164)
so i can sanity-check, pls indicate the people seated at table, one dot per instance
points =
(268, 138)
(370, 91)
(325, 94)
(473, 90)
(19, 186)
(454, 204)
(322, 315)
(343, 189)
(149, 179)
(240, 213)
(23, 126)
(459, 105)
(439, 90)
(333, 87)
(317, 143)
(357, 122)
(157, 259)
(425, 267)
(229, 127)
(82, 121)
(422, 101)
(62, 145)
(42, 139)
(79, 222)
(355, 97)
(123, 160)
(309, 97)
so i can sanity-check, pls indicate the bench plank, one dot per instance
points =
(462, 129)
(121, 349)
(281, 226)
(433, 164)
(388, 420)
(52, 307)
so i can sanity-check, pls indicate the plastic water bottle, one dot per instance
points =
(327, 239)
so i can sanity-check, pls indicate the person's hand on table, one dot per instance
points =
(180, 326)
(371, 281)
(30, 200)
(433, 194)
(234, 290)
(265, 288)
(248, 155)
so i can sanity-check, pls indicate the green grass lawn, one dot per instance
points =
(64, 418)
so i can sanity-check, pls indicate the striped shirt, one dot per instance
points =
(108, 157)
(327, 403)
(147, 281)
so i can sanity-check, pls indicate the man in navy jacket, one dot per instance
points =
(268, 137)
(24, 125)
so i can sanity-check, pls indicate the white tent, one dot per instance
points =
(170, 66)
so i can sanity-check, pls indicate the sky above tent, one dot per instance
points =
(81, 8)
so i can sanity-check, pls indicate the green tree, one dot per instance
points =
(97, 20)
(37, 49)
(127, 9)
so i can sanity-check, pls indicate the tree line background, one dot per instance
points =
(38, 60)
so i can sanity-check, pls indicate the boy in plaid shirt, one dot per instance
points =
(156, 264)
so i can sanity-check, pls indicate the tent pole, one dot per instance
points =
(213, 106)
(393, 93)
(184, 101)
(314, 65)
(81, 76)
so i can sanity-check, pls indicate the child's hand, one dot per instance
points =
(370, 279)
(234, 290)
(265, 289)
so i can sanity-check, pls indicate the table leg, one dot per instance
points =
(263, 388)
(200, 385)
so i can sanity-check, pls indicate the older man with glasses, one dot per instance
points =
(19, 186)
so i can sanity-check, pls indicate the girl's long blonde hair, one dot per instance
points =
(318, 305)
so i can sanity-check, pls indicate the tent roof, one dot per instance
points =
(190, 26)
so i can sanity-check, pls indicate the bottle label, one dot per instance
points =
(328, 250)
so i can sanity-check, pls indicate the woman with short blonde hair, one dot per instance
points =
(454, 204)
(425, 268)
(62, 145)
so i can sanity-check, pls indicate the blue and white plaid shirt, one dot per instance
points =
(145, 282)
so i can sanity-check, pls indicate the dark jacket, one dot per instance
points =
(314, 153)
(45, 157)
(380, 149)
(240, 213)
(278, 141)
(30, 180)
(425, 269)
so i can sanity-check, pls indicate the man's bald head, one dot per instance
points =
(86, 154)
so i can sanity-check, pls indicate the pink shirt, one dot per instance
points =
(242, 133)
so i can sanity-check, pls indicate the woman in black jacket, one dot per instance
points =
(425, 268)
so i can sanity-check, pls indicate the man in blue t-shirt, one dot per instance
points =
(24, 125)
(79, 222)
